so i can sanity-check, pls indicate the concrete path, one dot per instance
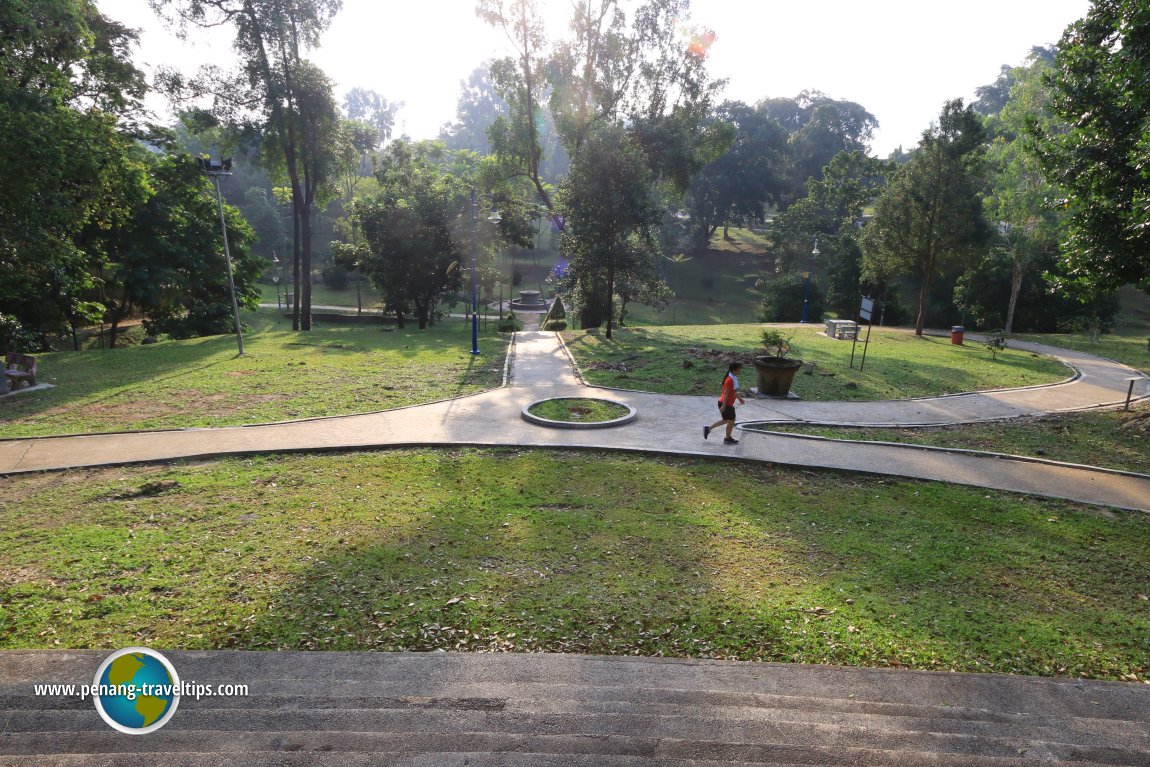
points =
(540, 367)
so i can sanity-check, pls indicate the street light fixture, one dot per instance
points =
(494, 218)
(276, 280)
(216, 170)
(810, 271)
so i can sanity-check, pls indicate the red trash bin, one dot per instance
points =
(956, 332)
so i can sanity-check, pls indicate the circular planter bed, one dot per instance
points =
(578, 413)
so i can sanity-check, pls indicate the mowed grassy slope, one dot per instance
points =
(333, 370)
(693, 360)
(508, 550)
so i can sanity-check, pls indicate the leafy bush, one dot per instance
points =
(778, 344)
(559, 324)
(995, 342)
(334, 276)
(14, 337)
(783, 299)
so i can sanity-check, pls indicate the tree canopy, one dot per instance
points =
(931, 212)
(1101, 82)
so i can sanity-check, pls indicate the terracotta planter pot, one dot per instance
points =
(776, 374)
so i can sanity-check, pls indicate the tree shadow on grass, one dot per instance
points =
(549, 571)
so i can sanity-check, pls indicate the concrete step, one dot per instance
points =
(652, 719)
(369, 708)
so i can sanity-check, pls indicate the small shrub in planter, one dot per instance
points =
(776, 371)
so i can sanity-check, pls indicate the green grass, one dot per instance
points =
(714, 287)
(578, 410)
(511, 550)
(1129, 342)
(693, 360)
(1115, 440)
(322, 295)
(333, 370)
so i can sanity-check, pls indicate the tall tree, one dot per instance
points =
(818, 128)
(832, 213)
(1019, 201)
(66, 87)
(520, 81)
(931, 212)
(1101, 81)
(278, 91)
(166, 259)
(739, 184)
(609, 193)
(369, 107)
(412, 227)
(633, 63)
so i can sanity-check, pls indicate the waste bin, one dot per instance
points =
(956, 334)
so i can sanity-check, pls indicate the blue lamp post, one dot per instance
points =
(474, 293)
(494, 218)
(807, 287)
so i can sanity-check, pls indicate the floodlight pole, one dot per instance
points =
(474, 293)
(807, 287)
(215, 170)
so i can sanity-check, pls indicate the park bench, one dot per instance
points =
(20, 368)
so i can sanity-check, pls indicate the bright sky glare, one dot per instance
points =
(901, 59)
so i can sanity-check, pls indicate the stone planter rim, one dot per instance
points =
(630, 415)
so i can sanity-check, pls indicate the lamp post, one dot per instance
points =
(276, 280)
(216, 170)
(494, 218)
(807, 287)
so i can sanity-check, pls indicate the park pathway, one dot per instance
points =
(540, 367)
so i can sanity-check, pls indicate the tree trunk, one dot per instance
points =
(610, 293)
(305, 267)
(924, 295)
(295, 259)
(1015, 287)
(399, 319)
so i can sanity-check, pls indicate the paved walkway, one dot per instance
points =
(672, 424)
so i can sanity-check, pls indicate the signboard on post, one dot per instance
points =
(866, 312)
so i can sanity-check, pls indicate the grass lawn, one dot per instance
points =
(578, 410)
(322, 295)
(898, 364)
(711, 288)
(515, 550)
(333, 370)
(1129, 342)
(1115, 440)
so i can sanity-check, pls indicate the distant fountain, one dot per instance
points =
(529, 301)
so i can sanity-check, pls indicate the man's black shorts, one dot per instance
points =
(726, 412)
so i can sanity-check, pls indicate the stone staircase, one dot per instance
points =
(515, 710)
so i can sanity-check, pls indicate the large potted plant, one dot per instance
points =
(776, 370)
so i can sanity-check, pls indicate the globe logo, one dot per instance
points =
(136, 690)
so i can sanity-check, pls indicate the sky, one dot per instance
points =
(900, 59)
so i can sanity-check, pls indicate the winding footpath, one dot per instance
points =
(355, 709)
(540, 367)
